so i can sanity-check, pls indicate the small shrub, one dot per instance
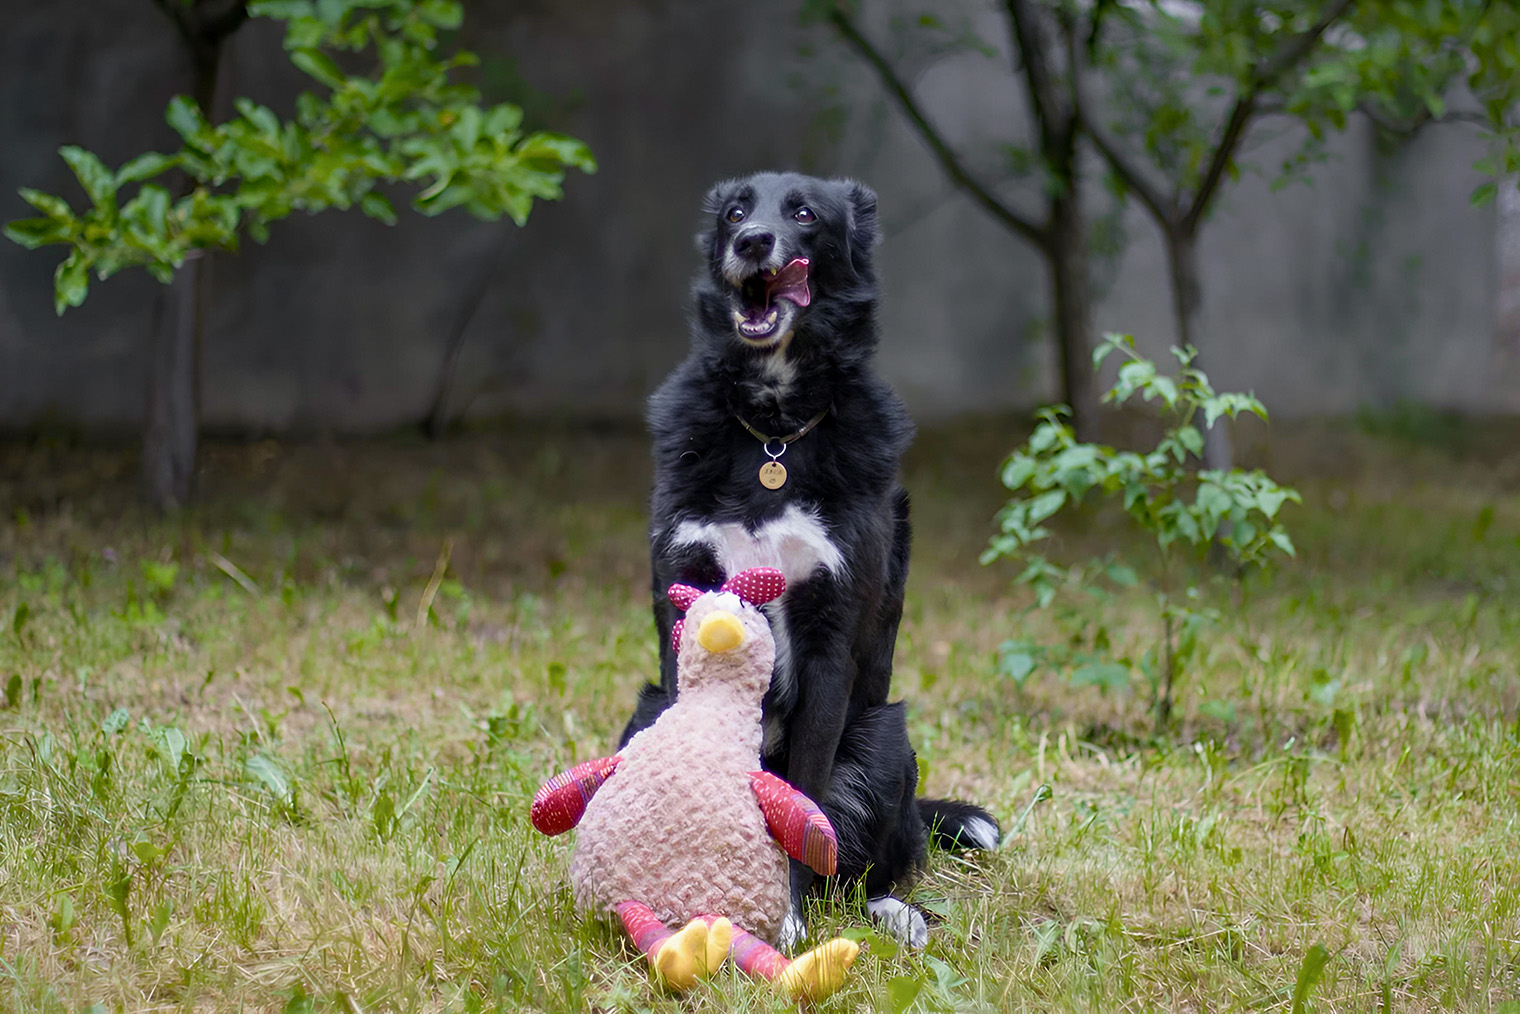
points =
(1186, 511)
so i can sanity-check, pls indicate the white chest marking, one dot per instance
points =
(796, 543)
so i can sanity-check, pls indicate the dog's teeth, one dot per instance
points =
(770, 318)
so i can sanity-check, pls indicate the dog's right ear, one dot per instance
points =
(863, 233)
(863, 213)
(714, 202)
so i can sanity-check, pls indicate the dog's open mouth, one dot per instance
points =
(760, 314)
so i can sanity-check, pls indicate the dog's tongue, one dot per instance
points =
(790, 283)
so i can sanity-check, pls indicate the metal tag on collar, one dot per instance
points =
(773, 472)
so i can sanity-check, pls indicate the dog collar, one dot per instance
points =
(773, 472)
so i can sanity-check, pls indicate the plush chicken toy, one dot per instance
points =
(682, 829)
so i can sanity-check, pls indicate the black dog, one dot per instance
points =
(776, 444)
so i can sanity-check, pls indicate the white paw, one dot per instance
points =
(793, 931)
(900, 919)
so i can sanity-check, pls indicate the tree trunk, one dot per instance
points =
(437, 422)
(1071, 312)
(172, 419)
(170, 433)
(1187, 305)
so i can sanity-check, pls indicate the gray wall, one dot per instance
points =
(1377, 283)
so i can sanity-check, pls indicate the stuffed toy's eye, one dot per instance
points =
(735, 214)
(805, 216)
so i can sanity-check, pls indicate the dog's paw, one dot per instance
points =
(900, 919)
(793, 931)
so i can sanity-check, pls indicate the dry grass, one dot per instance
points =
(317, 796)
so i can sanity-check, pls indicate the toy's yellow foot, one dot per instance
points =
(819, 972)
(720, 936)
(683, 958)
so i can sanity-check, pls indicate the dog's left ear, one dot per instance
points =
(716, 198)
(864, 233)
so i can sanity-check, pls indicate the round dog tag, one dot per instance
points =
(773, 475)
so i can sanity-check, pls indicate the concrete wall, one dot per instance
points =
(1377, 283)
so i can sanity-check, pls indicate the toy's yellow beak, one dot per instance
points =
(720, 631)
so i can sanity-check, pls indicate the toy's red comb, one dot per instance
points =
(758, 585)
(683, 595)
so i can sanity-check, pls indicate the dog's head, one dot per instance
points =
(782, 248)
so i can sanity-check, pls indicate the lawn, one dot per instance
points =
(276, 754)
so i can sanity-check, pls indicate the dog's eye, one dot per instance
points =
(736, 214)
(805, 216)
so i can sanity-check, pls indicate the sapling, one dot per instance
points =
(1188, 512)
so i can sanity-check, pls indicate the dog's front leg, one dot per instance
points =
(824, 672)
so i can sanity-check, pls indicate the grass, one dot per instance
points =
(276, 754)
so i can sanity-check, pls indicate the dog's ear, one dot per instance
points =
(864, 233)
(863, 212)
(716, 198)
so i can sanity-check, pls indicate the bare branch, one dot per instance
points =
(1160, 206)
(222, 24)
(1044, 95)
(1224, 152)
(1387, 121)
(949, 161)
(201, 27)
(1263, 77)
(1298, 47)
(180, 15)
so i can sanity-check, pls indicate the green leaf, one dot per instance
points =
(158, 919)
(559, 149)
(1046, 504)
(300, 1002)
(1017, 470)
(147, 852)
(185, 117)
(1105, 675)
(320, 66)
(384, 816)
(145, 166)
(1484, 194)
(98, 181)
(280, 10)
(1270, 501)
(377, 205)
(13, 691)
(902, 990)
(1122, 575)
(49, 205)
(71, 281)
(264, 770)
(1309, 973)
(117, 889)
(115, 721)
(1016, 665)
(34, 232)
(883, 947)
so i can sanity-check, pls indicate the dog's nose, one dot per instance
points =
(756, 244)
(720, 631)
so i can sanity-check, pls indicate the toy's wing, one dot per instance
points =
(796, 823)
(561, 802)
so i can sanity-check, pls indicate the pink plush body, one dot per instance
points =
(678, 826)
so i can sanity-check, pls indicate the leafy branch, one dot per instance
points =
(406, 122)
